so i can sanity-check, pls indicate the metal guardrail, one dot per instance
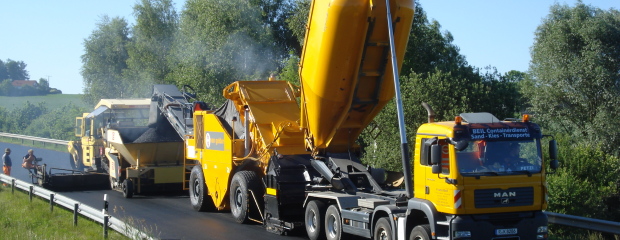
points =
(30, 138)
(583, 222)
(96, 215)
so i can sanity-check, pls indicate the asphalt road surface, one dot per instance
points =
(164, 217)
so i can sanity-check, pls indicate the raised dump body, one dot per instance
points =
(345, 67)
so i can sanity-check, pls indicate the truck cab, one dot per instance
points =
(483, 178)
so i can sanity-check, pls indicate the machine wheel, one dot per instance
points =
(421, 232)
(333, 223)
(198, 191)
(112, 183)
(383, 231)
(240, 198)
(314, 218)
(127, 188)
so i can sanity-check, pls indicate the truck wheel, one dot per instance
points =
(198, 191)
(240, 198)
(314, 219)
(383, 231)
(127, 188)
(421, 232)
(333, 223)
(112, 183)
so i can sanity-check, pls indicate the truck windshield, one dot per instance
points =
(131, 117)
(500, 157)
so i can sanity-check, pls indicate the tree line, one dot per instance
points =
(10, 71)
(571, 89)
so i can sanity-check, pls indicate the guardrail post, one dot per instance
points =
(12, 186)
(75, 214)
(51, 202)
(105, 204)
(31, 192)
(105, 226)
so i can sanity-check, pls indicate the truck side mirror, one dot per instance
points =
(435, 154)
(553, 149)
(554, 164)
(436, 158)
(461, 145)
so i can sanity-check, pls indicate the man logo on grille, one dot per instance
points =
(505, 200)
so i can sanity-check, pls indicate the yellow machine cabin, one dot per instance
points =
(90, 128)
(483, 178)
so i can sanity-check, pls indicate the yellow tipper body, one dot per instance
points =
(345, 69)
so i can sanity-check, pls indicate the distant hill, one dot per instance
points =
(51, 101)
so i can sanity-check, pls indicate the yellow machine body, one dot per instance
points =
(345, 69)
(272, 113)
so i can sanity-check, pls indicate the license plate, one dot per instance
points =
(506, 231)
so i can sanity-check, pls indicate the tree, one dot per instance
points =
(58, 123)
(156, 25)
(435, 72)
(275, 15)
(220, 42)
(105, 59)
(6, 87)
(297, 21)
(430, 49)
(575, 75)
(23, 116)
(43, 87)
(4, 74)
(16, 70)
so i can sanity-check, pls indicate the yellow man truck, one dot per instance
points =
(287, 157)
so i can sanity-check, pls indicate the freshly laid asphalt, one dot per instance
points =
(163, 216)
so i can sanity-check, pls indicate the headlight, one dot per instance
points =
(460, 234)
(542, 229)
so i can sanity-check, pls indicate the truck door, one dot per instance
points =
(79, 126)
(87, 142)
(439, 188)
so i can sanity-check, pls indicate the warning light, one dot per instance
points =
(526, 117)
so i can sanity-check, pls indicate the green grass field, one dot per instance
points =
(51, 101)
(22, 219)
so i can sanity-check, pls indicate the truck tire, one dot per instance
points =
(127, 188)
(333, 223)
(314, 219)
(421, 232)
(112, 183)
(383, 230)
(198, 191)
(240, 198)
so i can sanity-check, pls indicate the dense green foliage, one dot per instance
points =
(573, 90)
(14, 70)
(51, 116)
(105, 59)
(575, 75)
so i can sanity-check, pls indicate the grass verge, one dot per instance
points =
(22, 219)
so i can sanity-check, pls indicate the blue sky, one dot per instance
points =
(49, 35)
